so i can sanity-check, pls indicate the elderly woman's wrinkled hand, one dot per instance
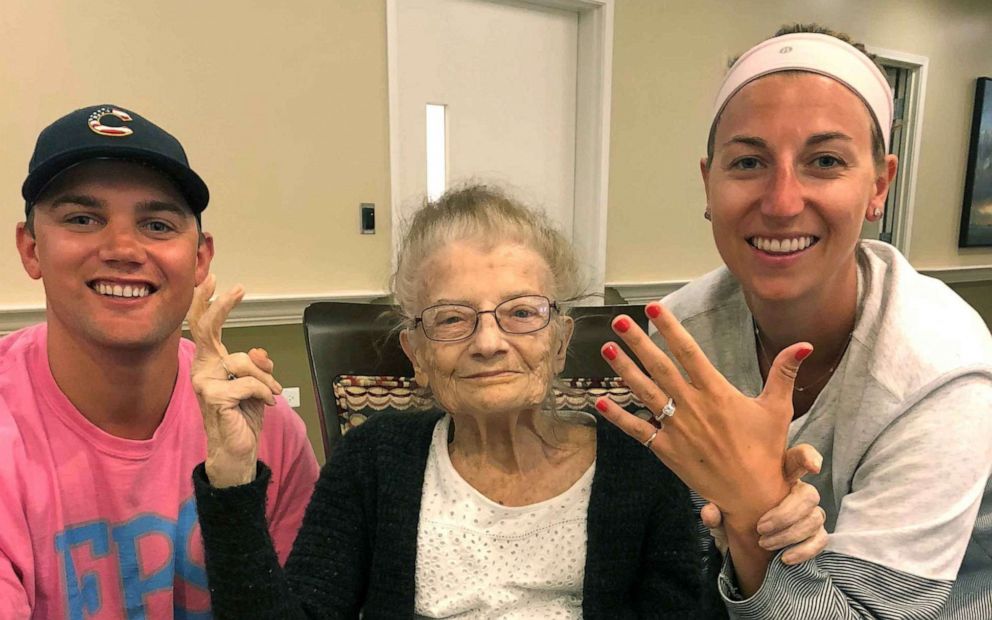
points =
(232, 389)
(726, 446)
(797, 522)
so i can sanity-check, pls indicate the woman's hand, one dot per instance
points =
(726, 446)
(232, 389)
(797, 521)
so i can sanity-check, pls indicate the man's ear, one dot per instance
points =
(204, 255)
(27, 247)
(565, 336)
(411, 353)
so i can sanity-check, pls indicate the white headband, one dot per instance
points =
(816, 53)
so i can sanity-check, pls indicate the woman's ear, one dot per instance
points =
(411, 350)
(883, 182)
(565, 332)
(704, 171)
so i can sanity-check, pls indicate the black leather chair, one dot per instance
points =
(359, 368)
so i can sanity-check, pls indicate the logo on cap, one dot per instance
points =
(95, 123)
(785, 50)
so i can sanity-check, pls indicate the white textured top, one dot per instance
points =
(478, 559)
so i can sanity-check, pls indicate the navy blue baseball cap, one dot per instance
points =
(110, 132)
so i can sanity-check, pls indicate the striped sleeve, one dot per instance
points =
(835, 586)
(912, 535)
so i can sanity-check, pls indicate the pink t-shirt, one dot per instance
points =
(96, 527)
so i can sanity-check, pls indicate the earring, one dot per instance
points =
(876, 214)
(707, 214)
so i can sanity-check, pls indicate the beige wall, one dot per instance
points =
(668, 60)
(282, 108)
(284, 111)
(979, 295)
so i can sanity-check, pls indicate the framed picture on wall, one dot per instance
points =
(976, 215)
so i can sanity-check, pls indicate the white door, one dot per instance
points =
(505, 75)
(504, 85)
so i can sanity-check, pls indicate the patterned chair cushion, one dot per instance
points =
(358, 397)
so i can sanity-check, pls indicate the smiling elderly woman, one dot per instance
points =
(495, 506)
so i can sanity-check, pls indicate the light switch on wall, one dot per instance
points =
(367, 211)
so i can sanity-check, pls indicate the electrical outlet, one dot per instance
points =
(292, 396)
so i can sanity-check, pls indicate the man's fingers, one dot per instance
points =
(801, 460)
(795, 533)
(807, 549)
(243, 365)
(798, 503)
(711, 516)
(782, 374)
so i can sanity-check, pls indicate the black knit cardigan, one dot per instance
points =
(356, 552)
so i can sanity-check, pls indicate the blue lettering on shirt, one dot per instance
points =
(83, 591)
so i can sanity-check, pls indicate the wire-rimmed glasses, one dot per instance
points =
(519, 315)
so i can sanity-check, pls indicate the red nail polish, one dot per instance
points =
(610, 352)
(601, 405)
(653, 310)
(621, 325)
(802, 354)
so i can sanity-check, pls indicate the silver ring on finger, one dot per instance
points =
(647, 444)
(230, 375)
(666, 412)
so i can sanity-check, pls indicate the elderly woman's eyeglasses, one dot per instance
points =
(519, 315)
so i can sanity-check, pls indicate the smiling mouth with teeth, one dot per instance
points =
(121, 290)
(783, 246)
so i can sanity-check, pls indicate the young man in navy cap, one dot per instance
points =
(99, 425)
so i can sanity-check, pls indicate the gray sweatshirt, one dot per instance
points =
(905, 429)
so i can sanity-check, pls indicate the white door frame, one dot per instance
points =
(915, 96)
(594, 76)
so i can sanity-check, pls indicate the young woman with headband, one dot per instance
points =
(809, 334)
